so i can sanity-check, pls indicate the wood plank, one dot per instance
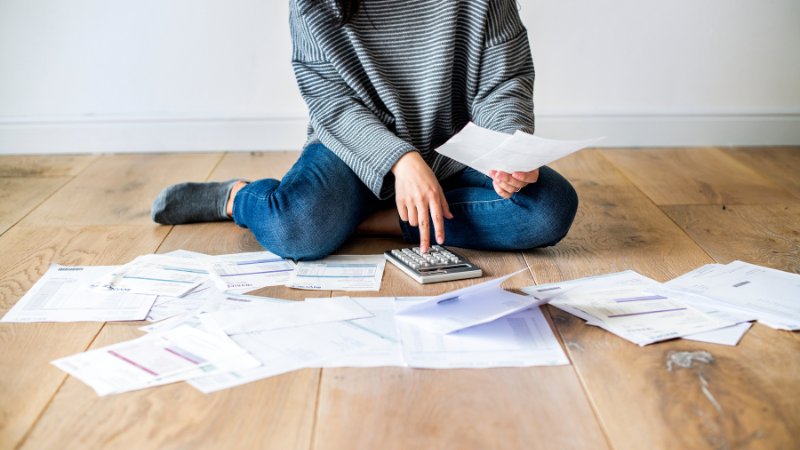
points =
(254, 166)
(779, 164)
(118, 189)
(27, 380)
(36, 166)
(18, 196)
(767, 235)
(616, 228)
(643, 398)
(277, 412)
(680, 176)
(483, 408)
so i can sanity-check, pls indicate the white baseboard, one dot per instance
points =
(117, 135)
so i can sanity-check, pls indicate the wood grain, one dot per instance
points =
(616, 228)
(28, 381)
(275, 413)
(119, 189)
(483, 408)
(254, 166)
(768, 235)
(18, 196)
(738, 400)
(36, 166)
(504, 408)
(680, 176)
(779, 164)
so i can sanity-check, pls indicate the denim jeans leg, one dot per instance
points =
(538, 216)
(309, 213)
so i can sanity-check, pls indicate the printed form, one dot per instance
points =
(156, 359)
(636, 308)
(171, 276)
(771, 296)
(244, 272)
(340, 273)
(62, 294)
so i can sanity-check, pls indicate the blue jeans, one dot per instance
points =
(320, 202)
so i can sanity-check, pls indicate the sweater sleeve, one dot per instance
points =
(340, 119)
(505, 90)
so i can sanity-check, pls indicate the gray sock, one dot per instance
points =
(192, 202)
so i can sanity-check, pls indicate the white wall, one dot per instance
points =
(156, 75)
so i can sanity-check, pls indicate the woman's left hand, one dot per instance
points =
(507, 184)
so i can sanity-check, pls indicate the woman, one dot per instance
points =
(386, 83)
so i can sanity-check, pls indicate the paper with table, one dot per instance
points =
(62, 294)
(339, 273)
(485, 150)
(160, 358)
(768, 295)
(636, 308)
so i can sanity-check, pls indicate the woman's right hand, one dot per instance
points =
(418, 192)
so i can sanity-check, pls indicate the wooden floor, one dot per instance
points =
(661, 212)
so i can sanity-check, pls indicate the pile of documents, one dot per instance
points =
(714, 303)
(156, 287)
(210, 334)
(218, 339)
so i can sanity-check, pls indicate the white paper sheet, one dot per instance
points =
(520, 339)
(340, 273)
(172, 276)
(724, 336)
(244, 272)
(381, 324)
(272, 316)
(466, 307)
(636, 308)
(155, 359)
(770, 295)
(166, 307)
(485, 150)
(62, 295)
(228, 302)
(289, 349)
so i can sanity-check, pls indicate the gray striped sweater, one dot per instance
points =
(407, 75)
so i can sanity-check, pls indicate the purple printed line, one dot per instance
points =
(133, 363)
(638, 299)
(245, 263)
(255, 273)
(548, 289)
(179, 355)
(646, 312)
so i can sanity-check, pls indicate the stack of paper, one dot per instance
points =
(768, 295)
(637, 308)
(159, 286)
(486, 150)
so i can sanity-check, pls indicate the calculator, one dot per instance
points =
(439, 264)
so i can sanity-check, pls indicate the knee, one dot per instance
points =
(302, 237)
(551, 209)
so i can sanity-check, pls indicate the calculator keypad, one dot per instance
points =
(438, 264)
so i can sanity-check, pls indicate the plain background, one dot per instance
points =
(188, 75)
